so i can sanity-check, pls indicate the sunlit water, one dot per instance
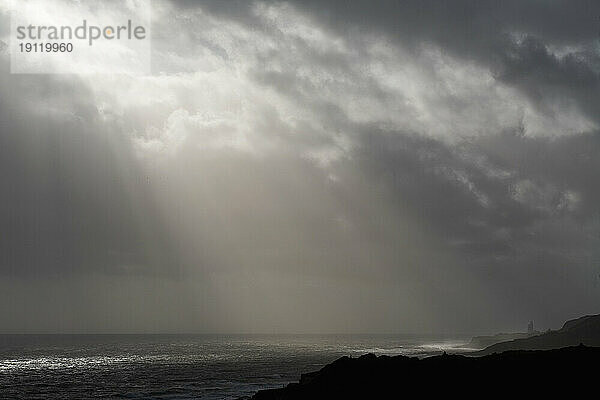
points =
(179, 366)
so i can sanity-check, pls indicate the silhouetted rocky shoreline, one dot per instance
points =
(584, 330)
(511, 373)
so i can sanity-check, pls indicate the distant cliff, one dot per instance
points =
(584, 330)
(512, 374)
(481, 342)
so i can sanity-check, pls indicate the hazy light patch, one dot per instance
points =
(563, 118)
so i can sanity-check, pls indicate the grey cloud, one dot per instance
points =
(517, 210)
(401, 230)
(513, 245)
(550, 80)
(513, 39)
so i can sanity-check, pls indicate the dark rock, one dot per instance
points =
(481, 342)
(539, 365)
(584, 330)
(514, 374)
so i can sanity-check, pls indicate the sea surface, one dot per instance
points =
(181, 366)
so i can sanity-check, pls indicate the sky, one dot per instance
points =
(310, 167)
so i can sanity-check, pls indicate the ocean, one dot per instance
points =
(181, 366)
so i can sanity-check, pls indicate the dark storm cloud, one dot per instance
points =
(540, 247)
(515, 39)
(489, 212)
(550, 80)
(361, 198)
(511, 38)
(526, 205)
